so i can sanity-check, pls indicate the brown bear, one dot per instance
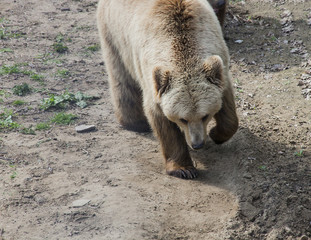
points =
(167, 66)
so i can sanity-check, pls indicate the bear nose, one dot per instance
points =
(197, 145)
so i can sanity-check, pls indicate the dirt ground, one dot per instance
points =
(110, 183)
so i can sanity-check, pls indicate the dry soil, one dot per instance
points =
(110, 183)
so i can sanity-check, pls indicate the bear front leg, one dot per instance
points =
(125, 92)
(227, 122)
(174, 147)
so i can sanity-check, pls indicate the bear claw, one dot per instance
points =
(184, 173)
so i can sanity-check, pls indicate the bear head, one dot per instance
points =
(191, 98)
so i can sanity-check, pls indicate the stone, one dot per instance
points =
(249, 211)
(238, 41)
(80, 203)
(85, 128)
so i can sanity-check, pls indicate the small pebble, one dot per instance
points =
(80, 203)
(85, 128)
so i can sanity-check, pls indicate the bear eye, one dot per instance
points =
(205, 118)
(184, 121)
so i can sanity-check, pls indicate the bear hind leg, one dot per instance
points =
(128, 107)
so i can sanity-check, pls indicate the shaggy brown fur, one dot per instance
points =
(178, 17)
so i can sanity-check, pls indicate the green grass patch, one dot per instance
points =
(93, 48)
(4, 50)
(6, 33)
(62, 38)
(64, 73)
(299, 153)
(13, 171)
(21, 90)
(63, 118)
(16, 69)
(18, 102)
(43, 126)
(61, 101)
(28, 131)
(37, 77)
(85, 28)
(55, 101)
(10, 69)
(13, 175)
(4, 93)
(59, 48)
(6, 120)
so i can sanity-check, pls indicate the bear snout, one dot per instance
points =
(197, 135)
(197, 146)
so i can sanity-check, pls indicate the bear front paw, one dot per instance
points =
(189, 172)
(184, 173)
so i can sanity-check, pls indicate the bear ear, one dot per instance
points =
(213, 68)
(161, 81)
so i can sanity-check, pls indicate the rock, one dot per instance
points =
(98, 156)
(80, 203)
(278, 67)
(85, 128)
(238, 41)
(248, 210)
(247, 175)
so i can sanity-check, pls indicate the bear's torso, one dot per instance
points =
(145, 33)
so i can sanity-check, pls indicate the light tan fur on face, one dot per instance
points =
(166, 61)
(201, 95)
